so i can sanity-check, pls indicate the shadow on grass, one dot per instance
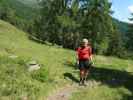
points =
(70, 76)
(114, 79)
(110, 77)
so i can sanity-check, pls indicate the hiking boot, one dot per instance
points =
(81, 82)
(85, 82)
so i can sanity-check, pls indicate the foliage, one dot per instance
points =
(17, 13)
(66, 22)
(129, 37)
(41, 75)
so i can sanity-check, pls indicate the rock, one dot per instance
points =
(33, 62)
(33, 65)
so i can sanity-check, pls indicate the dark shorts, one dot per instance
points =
(84, 64)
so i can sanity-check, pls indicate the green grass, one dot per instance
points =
(16, 82)
(115, 77)
(53, 58)
(101, 93)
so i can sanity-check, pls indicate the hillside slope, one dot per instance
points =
(122, 26)
(15, 43)
(31, 3)
(22, 9)
(57, 70)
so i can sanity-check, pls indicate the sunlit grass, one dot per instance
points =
(17, 82)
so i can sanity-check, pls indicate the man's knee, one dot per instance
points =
(82, 71)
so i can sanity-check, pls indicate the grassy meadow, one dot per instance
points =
(57, 65)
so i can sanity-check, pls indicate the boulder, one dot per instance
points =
(33, 65)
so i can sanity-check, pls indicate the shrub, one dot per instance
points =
(40, 75)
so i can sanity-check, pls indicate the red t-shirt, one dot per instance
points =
(84, 53)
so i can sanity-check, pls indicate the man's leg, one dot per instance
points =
(87, 69)
(82, 76)
(86, 74)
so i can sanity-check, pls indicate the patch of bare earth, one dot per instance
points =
(66, 92)
(63, 94)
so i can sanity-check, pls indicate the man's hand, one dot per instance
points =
(77, 62)
(91, 60)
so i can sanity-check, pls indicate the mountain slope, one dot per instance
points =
(15, 43)
(31, 3)
(22, 9)
(57, 70)
(122, 26)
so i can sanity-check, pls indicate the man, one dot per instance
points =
(84, 57)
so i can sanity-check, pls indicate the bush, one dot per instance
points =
(40, 75)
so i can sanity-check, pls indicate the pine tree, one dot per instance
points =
(66, 22)
(70, 24)
(48, 28)
(116, 45)
(98, 23)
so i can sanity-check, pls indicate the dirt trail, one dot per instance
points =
(66, 92)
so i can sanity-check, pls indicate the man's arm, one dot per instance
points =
(91, 55)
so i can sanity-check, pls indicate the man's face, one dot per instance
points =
(84, 44)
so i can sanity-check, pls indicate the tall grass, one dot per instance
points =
(16, 82)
